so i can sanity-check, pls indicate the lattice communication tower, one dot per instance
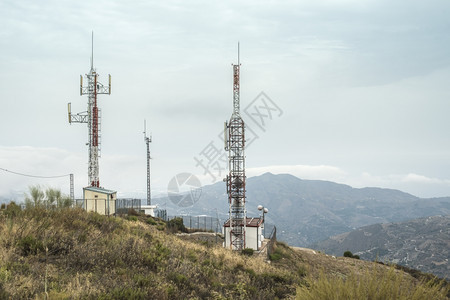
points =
(235, 180)
(92, 117)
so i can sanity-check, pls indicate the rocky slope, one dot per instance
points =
(422, 244)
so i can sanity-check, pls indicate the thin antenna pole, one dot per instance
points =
(92, 51)
(238, 55)
(148, 140)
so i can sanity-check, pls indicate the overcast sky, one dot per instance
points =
(358, 91)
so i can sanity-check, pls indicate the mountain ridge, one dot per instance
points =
(422, 244)
(308, 211)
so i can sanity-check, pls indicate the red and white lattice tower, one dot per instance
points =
(92, 117)
(235, 144)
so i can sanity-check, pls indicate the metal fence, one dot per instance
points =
(125, 205)
(203, 223)
(109, 207)
(213, 224)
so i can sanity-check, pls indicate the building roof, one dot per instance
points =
(250, 222)
(149, 206)
(99, 190)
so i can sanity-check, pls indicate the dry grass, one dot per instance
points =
(96, 257)
(373, 284)
(92, 256)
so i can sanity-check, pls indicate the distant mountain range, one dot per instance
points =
(422, 244)
(309, 211)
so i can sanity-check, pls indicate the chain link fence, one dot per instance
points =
(200, 223)
(109, 207)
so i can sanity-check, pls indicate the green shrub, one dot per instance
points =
(179, 279)
(156, 256)
(16, 267)
(142, 280)
(192, 256)
(5, 274)
(248, 251)
(151, 221)
(350, 254)
(132, 218)
(30, 245)
(276, 255)
(301, 271)
(176, 224)
(12, 210)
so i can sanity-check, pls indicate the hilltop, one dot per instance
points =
(74, 254)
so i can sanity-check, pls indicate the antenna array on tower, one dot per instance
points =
(92, 117)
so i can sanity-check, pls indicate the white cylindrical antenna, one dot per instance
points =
(145, 128)
(225, 135)
(81, 85)
(69, 109)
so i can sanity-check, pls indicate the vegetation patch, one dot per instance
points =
(388, 284)
(98, 257)
(248, 251)
(350, 255)
(176, 225)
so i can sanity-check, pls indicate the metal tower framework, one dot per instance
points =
(92, 117)
(72, 195)
(148, 140)
(235, 144)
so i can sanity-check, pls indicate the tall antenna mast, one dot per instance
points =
(235, 144)
(92, 117)
(92, 51)
(148, 140)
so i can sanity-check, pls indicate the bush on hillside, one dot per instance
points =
(248, 251)
(176, 224)
(350, 254)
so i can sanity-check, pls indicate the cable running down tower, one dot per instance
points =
(92, 117)
(235, 180)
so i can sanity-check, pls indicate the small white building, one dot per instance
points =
(149, 210)
(254, 238)
(100, 200)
